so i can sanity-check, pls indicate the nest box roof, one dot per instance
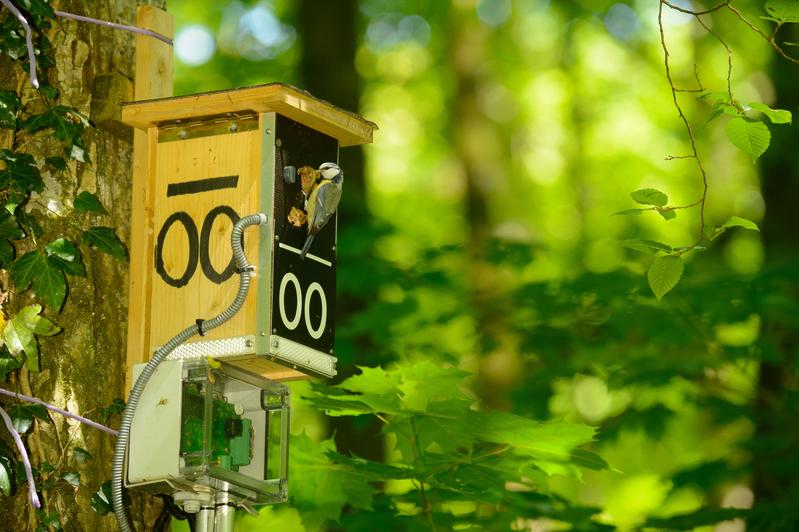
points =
(349, 128)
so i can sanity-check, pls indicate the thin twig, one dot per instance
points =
(81, 18)
(28, 40)
(771, 40)
(25, 461)
(59, 411)
(694, 152)
(695, 13)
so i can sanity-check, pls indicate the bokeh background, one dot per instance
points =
(478, 232)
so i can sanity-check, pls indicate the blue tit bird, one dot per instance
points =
(322, 201)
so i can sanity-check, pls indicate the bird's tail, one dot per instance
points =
(307, 245)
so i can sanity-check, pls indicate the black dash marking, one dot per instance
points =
(202, 185)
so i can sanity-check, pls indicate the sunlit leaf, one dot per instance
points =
(737, 221)
(664, 273)
(650, 196)
(667, 214)
(81, 455)
(22, 416)
(5, 480)
(101, 500)
(749, 135)
(325, 489)
(20, 330)
(64, 255)
(783, 10)
(72, 477)
(777, 116)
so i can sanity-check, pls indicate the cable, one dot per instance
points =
(118, 464)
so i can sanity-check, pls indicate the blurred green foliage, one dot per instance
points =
(544, 117)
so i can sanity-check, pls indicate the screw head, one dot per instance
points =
(275, 343)
(278, 143)
(248, 343)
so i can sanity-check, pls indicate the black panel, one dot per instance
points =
(298, 145)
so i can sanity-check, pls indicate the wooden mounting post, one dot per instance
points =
(154, 79)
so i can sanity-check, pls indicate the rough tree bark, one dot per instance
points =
(84, 366)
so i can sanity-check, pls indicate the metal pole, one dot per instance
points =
(225, 513)
(205, 519)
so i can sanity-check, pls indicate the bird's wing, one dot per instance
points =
(327, 199)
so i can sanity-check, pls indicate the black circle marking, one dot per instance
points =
(205, 238)
(191, 233)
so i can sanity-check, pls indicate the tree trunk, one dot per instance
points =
(327, 69)
(481, 155)
(774, 463)
(83, 367)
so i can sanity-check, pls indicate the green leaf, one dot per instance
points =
(78, 153)
(50, 284)
(645, 245)
(59, 163)
(697, 519)
(777, 116)
(783, 10)
(72, 477)
(9, 227)
(667, 214)
(116, 406)
(22, 416)
(325, 489)
(9, 104)
(634, 212)
(39, 8)
(25, 269)
(88, 202)
(66, 123)
(664, 274)
(737, 221)
(20, 172)
(7, 253)
(650, 196)
(19, 334)
(47, 521)
(749, 135)
(81, 455)
(101, 500)
(723, 107)
(7, 365)
(104, 239)
(64, 255)
(5, 480)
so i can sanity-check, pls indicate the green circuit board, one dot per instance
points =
(231, 433)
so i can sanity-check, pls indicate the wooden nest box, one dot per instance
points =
(210, 159)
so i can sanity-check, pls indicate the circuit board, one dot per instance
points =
(231, 434)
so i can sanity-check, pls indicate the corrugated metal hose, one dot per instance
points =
(244, 270)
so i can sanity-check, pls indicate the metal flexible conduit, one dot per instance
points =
(118, 465)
